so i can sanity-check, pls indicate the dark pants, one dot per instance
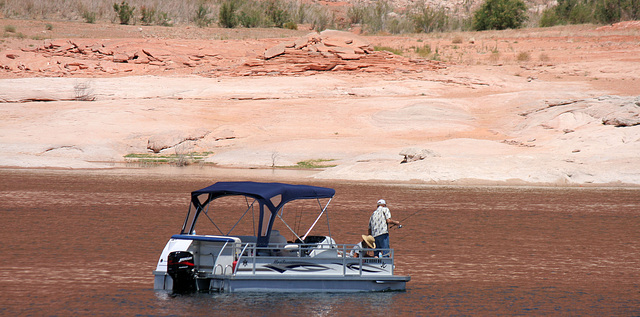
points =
(382, 242)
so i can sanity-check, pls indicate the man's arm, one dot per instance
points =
(393, 222)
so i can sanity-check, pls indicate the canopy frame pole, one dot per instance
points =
(328, 224)
(286, 224)
(253, 213)
(186, 220)
(245, 212)
(206, 213)
(318, 218)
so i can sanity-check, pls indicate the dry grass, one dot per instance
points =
(523, 57)
(167, 12)
(78, 29)
(180, 11)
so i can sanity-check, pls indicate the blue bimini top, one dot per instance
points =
(266, 194)
(263, 192)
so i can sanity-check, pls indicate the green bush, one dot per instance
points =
(356, 13)
(389, 49)
(376, 17)
(163, 19)
(321, 20)
(610, 11)
(250, 17)
(500, 15)
(379, 16)
(147, 15)
(300, 15)
(89, 17)
(590, 11)
(428, 20)
(548, 18)
(424, 51)
(277, 13)
(227, 17)
(201, 18)
(581, 13)
(290, 25)
(124, 12)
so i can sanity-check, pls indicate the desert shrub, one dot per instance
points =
(377, 16)
(610, 11)
(356, 13)
(147, 15)
(548, 18)
(48, 26)
(389, 49)
(124, 12)
(277, 13)
(252, 13)
(10, 28)
(544, 57)
(500, 15)
(424, 51)
(427, 19)
(321, 19)
(607, 11)
(163, 19)
(290, 25)
(256, 12)
(581, 13)
(250, 17)
(201, 18)
(398, 24)
(227, 15)
(523, 57)
(89, 17)
(566, 12)
(590, 11)
(300, 15)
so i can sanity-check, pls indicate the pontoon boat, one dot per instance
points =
(262, 259)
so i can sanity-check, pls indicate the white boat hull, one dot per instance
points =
(323, 268)
(238, 284)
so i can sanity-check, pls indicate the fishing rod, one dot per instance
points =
(405, 218)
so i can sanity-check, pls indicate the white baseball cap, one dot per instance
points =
(382, 202)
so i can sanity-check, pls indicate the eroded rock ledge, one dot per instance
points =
(326, 51)
(333, 51)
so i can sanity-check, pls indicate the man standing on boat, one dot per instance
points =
(379, 227)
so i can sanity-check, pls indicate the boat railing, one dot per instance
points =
(216, 258)
(347, 254)
(216, 267)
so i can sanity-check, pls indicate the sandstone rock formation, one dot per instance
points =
(332, 50)
(325, 51)
(416, 154)
(173, 139)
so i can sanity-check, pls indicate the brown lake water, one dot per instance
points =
(86, 243)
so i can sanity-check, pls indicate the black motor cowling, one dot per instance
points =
(181, 268)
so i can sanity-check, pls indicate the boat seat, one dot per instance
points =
(324, 253)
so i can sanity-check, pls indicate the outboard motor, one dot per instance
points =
(181, 268)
